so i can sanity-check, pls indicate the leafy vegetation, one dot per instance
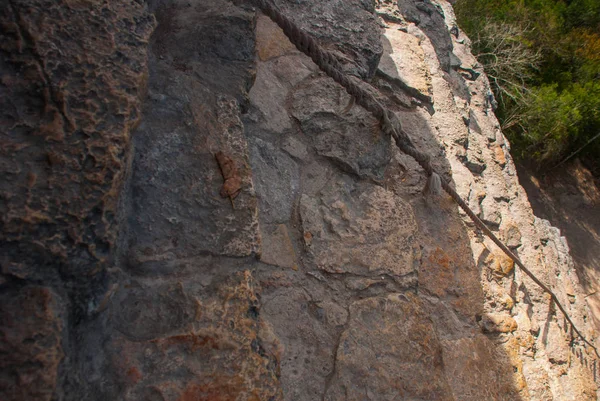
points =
(543, 61)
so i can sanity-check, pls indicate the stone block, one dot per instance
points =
(277, 248)
(389, 350)
(368, 233)
(31, 329)
(224, 351)
(497, 323)
(471, 366)
(270, 40)
(277, 181)
(353, 141)
(403, 59)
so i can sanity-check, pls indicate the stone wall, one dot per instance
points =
(320, 270)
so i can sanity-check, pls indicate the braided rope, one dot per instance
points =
(391, 125)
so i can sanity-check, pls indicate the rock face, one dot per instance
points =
(129, 272)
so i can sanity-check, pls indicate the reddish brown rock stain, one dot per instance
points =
(232, 181)
(440, 258)
(194, 341)
(134, 375)
(223, 388)
(31, 332)
(436, 274)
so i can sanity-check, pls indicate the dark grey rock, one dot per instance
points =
(276, 179)
(347, 27)
(354, 140)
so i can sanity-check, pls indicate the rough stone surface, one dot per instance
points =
(125, 275)
(466, 361)
(185, 345)
(176, 179)
(72, 77)
(31, 329)
(403, 60)
(349, 28)
(72, 81)
(359, 229)
(369, 365)
(277, 181)
(277, 247)
(352, 140)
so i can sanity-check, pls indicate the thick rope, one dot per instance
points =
(391, 125)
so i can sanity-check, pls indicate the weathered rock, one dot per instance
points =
(429, 17)
(359, 229)
(404, 60)
(148, 313)
(555, 344)
(276, 178)
(367, 289)
(352, 140)
(498, 323)
(284, 67)
(176, 179)
(277, 248)
(388, 350)
(31, 328)
(347, 27)
(469, 365)
(511, 235)
(500, 264)
(181, 194)
(304, 328)
(436, 272)
(72, 81)
(473, 161)
(219, 351)
(499, 155)
(295, 148)
(490, 212)
(271, 42)
(269, 94)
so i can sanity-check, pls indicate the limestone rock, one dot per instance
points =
(269, 95)
(429, 17)
(270, 39)
(467, 364)
(71, 93)
(404, 60)
(175, 179)
(277, 248)
(353, 140)
(555, 341)
(31, 328)
(500, 264)
(498, 323)
(220, 350)
(303, 326)
(181, 195)
(389, 349)
(276, 178)
(347, 27)
(474, 162)
(511, 235)
(437, 272)
(126, 276)
(367, 234)
(295, 148)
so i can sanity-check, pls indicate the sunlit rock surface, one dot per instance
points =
(326, 274)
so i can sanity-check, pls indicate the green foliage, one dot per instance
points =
(545, 73)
